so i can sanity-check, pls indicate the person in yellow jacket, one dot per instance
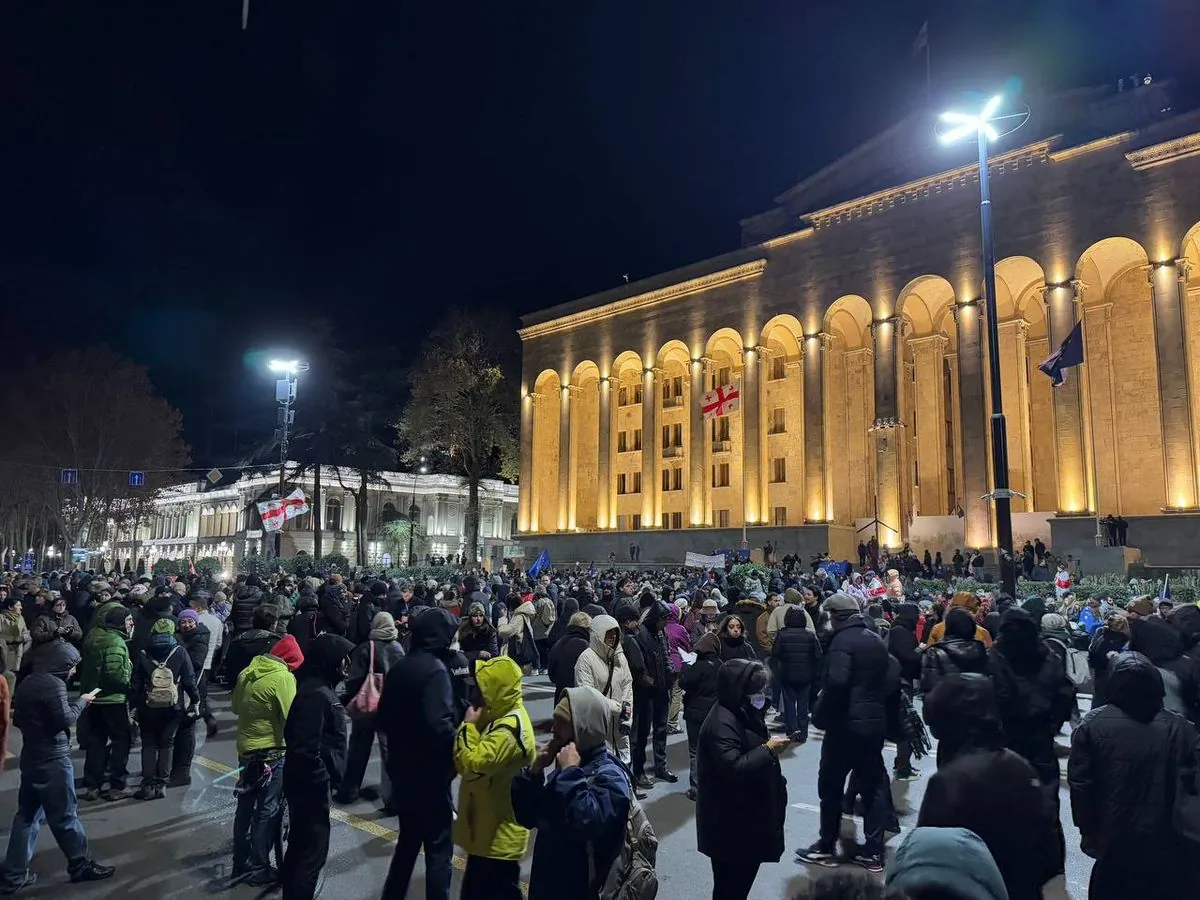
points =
(493, 744)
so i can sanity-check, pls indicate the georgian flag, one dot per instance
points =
(720, 402)
(275, 513)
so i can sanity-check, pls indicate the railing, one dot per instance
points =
(672, 451)
(722, 446)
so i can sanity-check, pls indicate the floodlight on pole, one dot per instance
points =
(287, 366)
(285, 396)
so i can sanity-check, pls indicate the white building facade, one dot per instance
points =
(222, 521)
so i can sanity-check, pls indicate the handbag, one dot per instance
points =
(1185, 816)
(366, 702)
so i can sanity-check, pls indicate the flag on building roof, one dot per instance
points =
(1067, 356)
(720, 401)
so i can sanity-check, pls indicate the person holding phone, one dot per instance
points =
(47, 792)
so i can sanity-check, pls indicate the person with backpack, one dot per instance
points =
(369, 664)
(493, 744)
(162, 679)
(517, 639)
(582, 808)
(543, 621)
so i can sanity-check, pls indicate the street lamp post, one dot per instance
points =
(982, 127)
(285, 396)
(412, 510)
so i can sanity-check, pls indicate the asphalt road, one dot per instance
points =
(181, 846)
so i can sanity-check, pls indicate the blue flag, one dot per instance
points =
(1165, 593)
(592, 570)
(1067, 356)
(540, 564)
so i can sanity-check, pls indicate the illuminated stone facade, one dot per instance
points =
(854, 324)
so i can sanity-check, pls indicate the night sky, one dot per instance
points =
(197, 195)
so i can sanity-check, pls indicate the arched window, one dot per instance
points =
(389, 514)
(512, 526)
(333, 514)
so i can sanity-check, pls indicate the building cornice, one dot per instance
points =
(889, 198)
(1092, 146)
(671, 292)
(1164, 153)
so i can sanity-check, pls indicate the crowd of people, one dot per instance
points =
(322, 669)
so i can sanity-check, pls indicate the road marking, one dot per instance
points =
(846, 817)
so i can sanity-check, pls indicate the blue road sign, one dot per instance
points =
(27, 563)
(69, 476)
(79, 554)
(137, 479)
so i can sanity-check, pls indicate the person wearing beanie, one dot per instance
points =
(157, 608)
(196, 640)
(162, 687)
(959, 650)
(859, 678)
(44, 715)
(581, 808)
(699, 682)
(315, 734)
(954, 862)
(261, 701)
(372, 659)
(106, 668)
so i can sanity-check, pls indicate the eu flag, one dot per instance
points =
(1067, 356)
(540, 564)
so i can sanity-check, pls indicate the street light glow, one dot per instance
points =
(287, 366)
(970, 125)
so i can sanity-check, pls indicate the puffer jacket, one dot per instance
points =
(796, 654)
(45, 716)
(1123, 769)
(564, 655)
(951, 656)
(261, 700)
(605, 668)
(335, 611)
(902, 641)
(163, 650)
(106, 665)
(1186, 620)
(856, 682)
(488, 755)
(657, 677)
(387, 654)
(196, 643)
(245, 600)
(305, 624)
(1163, 646)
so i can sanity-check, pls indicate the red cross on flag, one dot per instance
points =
(275, 512)
(721, 401)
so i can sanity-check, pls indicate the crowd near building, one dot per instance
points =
(852, 323)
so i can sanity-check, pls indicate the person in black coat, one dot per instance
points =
(368, 604)
(315, 732)
(795, 661)
(159, 607)
(902, 641)
(567, 650)
(335, 610)
(249, 644)
(957, 652)
(699, 683)
(962, 714)
(734, 644)
(651, 695)
(419, 717)
(159, 724)
(1163, 645)
(742, 794)
(477, 638)
(246, 599)
(1186, 620)
(1123, 771)
(194, 637)
(305, 624)
(852, 710)
(1106, 643)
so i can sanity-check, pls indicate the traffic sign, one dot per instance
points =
(69, 476)
(27, 563)
(137, 479)
(215, 475)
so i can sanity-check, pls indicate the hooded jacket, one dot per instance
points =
(580, 812)
(335, 610)
(953, 654)
(163, 650)
(41, 708)
(106, 664)
(244, 648)
(262, 699)
(315, 729)
(699, 680)
(954, 861)
(902, 641)
(143, 622)
(245, 601)
(387, 654)
(791, 598)
(1186, 620)
(742, 798)
(796, 655)
(657, 675)
(603, 667)
(1163, 645)
(305, 624)
(962, 714)
(488, 754)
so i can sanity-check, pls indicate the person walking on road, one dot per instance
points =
(106, 669)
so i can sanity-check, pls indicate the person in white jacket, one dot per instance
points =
(603, 666)
(516, 637)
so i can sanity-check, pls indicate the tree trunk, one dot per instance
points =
(471, 523)
(316, 513)
(360, 521)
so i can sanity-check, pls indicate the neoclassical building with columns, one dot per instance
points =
(853, 320)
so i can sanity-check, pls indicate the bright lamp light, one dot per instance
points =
(969, 124)
(289, 366)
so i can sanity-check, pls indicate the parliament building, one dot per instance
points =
(852, 320)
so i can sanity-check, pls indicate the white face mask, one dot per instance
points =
(758, 701)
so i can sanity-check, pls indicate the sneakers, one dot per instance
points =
(263, 877)
(160, 792)
(674, 729)
(145, 792)
(211, 728)
(818, 855)
(91, 795)
(114, 794)
(27, 880)
(643, 782)
(691, 794)
(871, 862)
(92, 871)
(907, 773)
(666, 775)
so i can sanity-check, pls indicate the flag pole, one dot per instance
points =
(1091, 426)
(742, 409)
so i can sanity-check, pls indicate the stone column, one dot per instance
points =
(816, 484)
(888, 431)
(973, 411)
(1169, 295)
(956, 427)
(649, 449)
(1070, 443)
(525, 486)
(751, 439)
(1014, 381)
(604, 477)
(930, 423)
(696, 436)
(566, 478)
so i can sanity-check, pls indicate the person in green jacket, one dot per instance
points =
(262, 699)
(106, 668)
(493, 744)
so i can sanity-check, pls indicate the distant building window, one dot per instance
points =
(621, 483)
(720, 475)
(778, 470)
(333, 514)
(778, 423)
(778, 370)
(779, 516)
(722, 518)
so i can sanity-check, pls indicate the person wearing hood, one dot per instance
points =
(604, 666)
(570, 606)
(699, 683)
(1106, 643)
(749, 610)
(958, 651)
(56, 622)
(418, 717)
(375, 656)
(1123, 773)
(516, 635)
(335, 610)
(262, 699)
(1163, 645)
(47, 792)
(246, 599)
(732, 632)
(477, 639)
(678, 639)
(741, 792)
(651, 691)
(566, 652)
(961, 713)
(252, 642)
(1186, 620)
(949, 863)
(163, 678)
(795, 662)
(106, 666)
(305, 624)
(852, 711)
(315, 735)
(991, 621)
(546, 614)
(493, 744)
(159, 607)
(372, 601)
(581, 808)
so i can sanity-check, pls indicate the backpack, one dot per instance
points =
(1076, 663)
(632, 876)
(365, 703)
(163, 690)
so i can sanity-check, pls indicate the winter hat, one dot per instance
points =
(189, 614)
(707, 643)
(219, 597)
(710, 606)
(288, 651)
(116, 617)
(1053, 622)
(1142, 606)
(840, 603)
(966, 600)
(139, 593)
(383, 627)
(562, 710)
(793, 597)
(379, 589)
(953, 860)
(163, 626)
